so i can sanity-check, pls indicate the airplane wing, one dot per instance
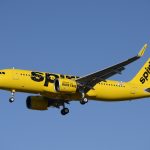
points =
(89, 81)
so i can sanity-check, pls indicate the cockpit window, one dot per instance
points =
(2, 72)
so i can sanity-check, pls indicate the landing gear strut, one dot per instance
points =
(12, 98)
(65, 110)
(83, 100)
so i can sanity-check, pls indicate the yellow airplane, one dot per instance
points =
(56, 90)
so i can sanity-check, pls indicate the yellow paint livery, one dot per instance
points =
(55, 90)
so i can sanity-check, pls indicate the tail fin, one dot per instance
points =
(143, 76)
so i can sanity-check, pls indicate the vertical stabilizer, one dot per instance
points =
(143, 76)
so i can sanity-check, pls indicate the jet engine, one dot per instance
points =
(37, 103)
(65, 85)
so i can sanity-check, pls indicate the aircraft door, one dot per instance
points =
(15, 75)
(133, 90)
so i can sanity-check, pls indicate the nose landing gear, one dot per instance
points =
(12, 98)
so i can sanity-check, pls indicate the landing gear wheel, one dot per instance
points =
(11, 99)
(64, 111)
(83, 101)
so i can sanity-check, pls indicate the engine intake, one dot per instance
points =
(65, 85)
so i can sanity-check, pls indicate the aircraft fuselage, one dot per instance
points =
(43, 83)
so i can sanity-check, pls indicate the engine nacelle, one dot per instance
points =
(37, 103)
(65, 85)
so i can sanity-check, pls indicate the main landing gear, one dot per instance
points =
(83, 100)
(65, 110)
(12, 98)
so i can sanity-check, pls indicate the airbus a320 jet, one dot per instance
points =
(57, 90)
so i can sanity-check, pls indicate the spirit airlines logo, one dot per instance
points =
(146, 74)
(48, 77)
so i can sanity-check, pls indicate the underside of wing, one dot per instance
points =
(87, 82)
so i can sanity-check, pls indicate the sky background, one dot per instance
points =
(74, 37)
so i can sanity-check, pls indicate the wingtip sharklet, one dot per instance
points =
(142, 51)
